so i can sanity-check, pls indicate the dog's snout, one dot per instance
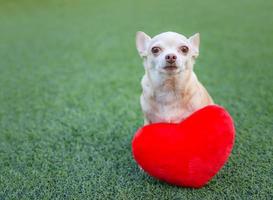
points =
(170, 58)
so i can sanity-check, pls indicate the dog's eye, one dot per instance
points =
(184, 49)
(155, 50)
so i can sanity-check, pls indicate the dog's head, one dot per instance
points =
(167, 52)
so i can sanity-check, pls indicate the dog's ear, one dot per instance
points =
(195, 42)
(142, 41)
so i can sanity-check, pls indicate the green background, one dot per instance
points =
(70, 86)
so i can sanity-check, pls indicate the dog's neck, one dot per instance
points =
(172, 83)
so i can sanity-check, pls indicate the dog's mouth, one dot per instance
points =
(170, 68)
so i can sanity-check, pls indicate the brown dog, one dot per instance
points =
(171, 90)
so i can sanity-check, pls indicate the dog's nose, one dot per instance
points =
(170, 58)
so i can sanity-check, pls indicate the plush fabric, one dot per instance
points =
(188, 154)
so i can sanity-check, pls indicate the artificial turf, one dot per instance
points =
(70, 87)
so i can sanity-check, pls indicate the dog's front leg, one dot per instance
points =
(146, 121)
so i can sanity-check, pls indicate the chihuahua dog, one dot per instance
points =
(171, 90)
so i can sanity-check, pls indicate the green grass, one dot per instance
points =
(70, 87)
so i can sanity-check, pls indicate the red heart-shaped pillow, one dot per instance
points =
(187, 154)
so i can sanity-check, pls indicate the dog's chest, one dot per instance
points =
(163, 102)
(168, 107)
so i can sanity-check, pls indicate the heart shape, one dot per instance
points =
(188, 154)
